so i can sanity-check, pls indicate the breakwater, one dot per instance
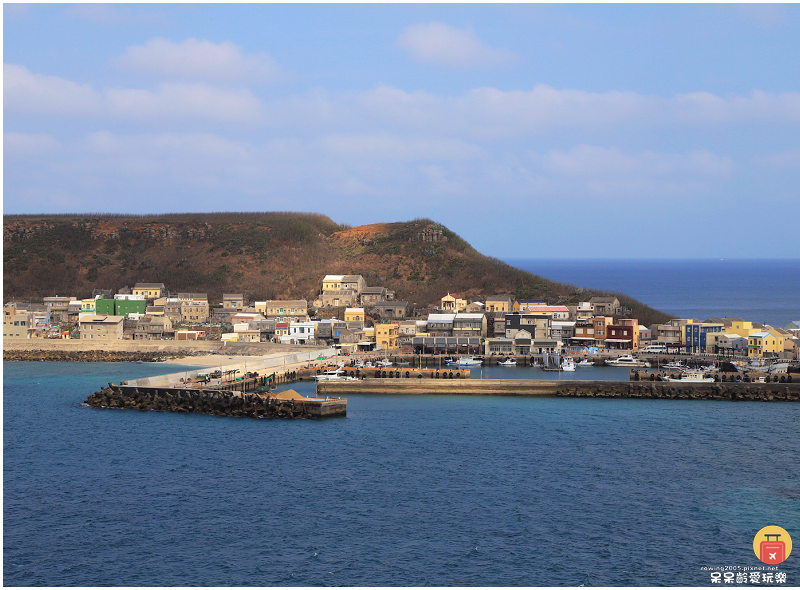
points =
(601, 389)
(215, 402)
(86, 356)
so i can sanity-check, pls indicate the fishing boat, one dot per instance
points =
(568, 364)
(508, 363)
(464, 361)
(383, 363)
(585, 363)
(338, 374)
(626, 361)
(691, 376)
(675, 366)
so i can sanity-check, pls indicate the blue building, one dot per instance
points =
(694, 335)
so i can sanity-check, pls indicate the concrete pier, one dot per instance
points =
(611, 389)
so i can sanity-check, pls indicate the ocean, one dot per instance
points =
(404, 491)
(765, 291)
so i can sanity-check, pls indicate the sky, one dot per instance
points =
(531, 130)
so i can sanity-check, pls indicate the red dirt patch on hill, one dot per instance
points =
(360, 233)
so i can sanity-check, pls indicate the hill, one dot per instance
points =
(263, 255)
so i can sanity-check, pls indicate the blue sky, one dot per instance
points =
(552, 130)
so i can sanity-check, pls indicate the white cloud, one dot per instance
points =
(18, 144)
(445, 45)
(195, 59)
(587, 161)
(478, 114)
(393, 147)
(28, 93)
(184, 101)
(25, 92)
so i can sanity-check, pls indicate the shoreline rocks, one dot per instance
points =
(86, 356)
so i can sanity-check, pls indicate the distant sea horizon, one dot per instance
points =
(758, 290)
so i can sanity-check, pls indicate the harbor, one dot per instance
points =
(257, 388)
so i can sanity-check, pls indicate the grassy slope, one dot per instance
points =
(263, 255)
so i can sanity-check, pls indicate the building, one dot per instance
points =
(619, 337)
(562, 330)
(583, 311)
(123, 305)
(342, 297)
(88, 306)
(338, 290)
(765, 344)
(695, 335)
(101, 327)
(391, 309)
(354, 283)
(475, 307)
(452, 303)
(499, 305)
(17, 325)
(193, 311)
(58, 308)
(386, 337)
(193, 297)
(669, 333)
(600, 334)
(555, 312)
(499, 346)
(152, 327)
(469, 324)
(354, 314)
(190, 335)
(289, 310)
(606, 306)
(527, 305)
(538, 326)
(301, 332)
(441, 324)
(232, 301)
(149, 291)
(583, 333)
(372, 295)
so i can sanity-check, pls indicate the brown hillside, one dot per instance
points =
(263, 255)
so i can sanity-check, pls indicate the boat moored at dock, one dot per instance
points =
(626, 361)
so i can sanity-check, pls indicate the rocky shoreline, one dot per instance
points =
(86, 356)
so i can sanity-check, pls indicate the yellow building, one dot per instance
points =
(354, 314)
(88, 306)
(741, 328)
(762, 343)
(451, 302)
(149, 290)
(498, 304)
(386, 336)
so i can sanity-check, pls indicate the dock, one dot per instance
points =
(242, 389)
(731, 391)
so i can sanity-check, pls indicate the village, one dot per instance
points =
(353, 317)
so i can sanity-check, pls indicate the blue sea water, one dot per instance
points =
(766, 291)
(406, 490)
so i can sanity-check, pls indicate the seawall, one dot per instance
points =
(213, 402)
(36, 349)
(604, 389)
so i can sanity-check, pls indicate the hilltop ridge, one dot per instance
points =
(263, 255)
